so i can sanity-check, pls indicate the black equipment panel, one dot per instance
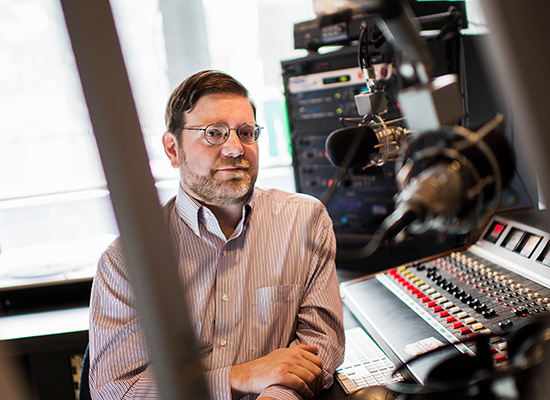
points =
(319, 90)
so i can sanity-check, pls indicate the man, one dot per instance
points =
(257, 266)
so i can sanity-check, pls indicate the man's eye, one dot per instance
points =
(214, 133)
(247, 133)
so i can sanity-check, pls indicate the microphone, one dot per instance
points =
(445, 178)
(447, 184)
(363, 145)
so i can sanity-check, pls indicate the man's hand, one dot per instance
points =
(296, 367)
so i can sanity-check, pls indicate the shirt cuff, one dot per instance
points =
(279, 392)
(218, 382)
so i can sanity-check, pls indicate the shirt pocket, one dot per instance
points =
(276, 302)
(272, 318)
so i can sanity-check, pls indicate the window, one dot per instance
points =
(53, 197)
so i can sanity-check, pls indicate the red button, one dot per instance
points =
(464, 330)
(443, 314)
(457, 324)
(430, 303)
(450, 319)
(425, 299)
(437, 308)
(419, 295)
(414, 290)
(499, 357)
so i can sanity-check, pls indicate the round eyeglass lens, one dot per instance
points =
(249, 132)
(216, 133)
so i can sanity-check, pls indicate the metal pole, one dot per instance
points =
(516, 53)
(152, 262)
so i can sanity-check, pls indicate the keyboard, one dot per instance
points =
(365, 364)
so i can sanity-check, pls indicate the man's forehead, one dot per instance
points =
(221, 103)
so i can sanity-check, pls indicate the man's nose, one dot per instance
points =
(233, 147)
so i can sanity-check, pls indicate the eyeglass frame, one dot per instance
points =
(204, 129)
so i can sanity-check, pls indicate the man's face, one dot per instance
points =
(223, 174)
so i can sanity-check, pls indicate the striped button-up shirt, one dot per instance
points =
(271, 285)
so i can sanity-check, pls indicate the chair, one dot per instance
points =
(84, 387)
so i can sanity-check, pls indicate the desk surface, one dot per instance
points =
(44, 323)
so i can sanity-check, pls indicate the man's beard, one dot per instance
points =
(214, 191)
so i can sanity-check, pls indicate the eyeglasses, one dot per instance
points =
(217, 133)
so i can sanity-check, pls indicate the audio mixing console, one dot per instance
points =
(485, 289)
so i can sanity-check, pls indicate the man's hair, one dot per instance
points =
(185, 96)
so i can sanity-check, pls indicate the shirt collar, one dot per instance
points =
(191, 212)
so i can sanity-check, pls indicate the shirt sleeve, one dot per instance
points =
(119, 363)
(320, 318)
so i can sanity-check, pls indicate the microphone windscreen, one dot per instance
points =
(341, 141)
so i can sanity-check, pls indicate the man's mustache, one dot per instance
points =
(237, 163)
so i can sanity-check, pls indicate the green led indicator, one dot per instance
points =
(338, 111)
(336, 95)
(336, 79)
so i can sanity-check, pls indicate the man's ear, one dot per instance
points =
(171, 148)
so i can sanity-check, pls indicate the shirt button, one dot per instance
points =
(225, 253)
(223, 342)
(225, 297)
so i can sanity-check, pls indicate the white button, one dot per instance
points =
(223, 342)
(225, 297)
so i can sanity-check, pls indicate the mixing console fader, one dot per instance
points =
(486, 289)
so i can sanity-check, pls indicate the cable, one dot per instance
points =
(391, 226)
